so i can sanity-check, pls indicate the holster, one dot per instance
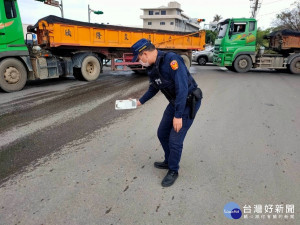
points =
(198, 94)
(195, 96)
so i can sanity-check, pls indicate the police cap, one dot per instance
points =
(139, 46)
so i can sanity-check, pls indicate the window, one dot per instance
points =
(150, 12)
(156, 13)
(162, 23)
(149, 23)
(10, 9)
(239, 28)
(222, 30)
(163, 12)
(252, 26)
(171, 23)
(178, 12)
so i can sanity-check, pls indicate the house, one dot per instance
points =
(168, 18)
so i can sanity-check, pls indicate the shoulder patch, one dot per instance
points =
(174, 65)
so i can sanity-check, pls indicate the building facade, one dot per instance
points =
(211, 26)
(168, 18)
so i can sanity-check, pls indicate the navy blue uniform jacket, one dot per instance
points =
(172, 77)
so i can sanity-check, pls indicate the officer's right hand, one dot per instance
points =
(138, 103)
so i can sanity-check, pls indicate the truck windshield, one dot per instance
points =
(222, 30)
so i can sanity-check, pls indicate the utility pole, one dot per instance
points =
(54, 3)
(256, 5)
(89, 11)
(61, 8)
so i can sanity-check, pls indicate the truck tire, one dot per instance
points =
(242, 64)
(13, 75)
(77, 73)
(186, 61)
(295, 65)
(90, 68)
(202, 61)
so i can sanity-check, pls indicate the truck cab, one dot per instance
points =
(235, 44)
(11, 31)
(13, 50)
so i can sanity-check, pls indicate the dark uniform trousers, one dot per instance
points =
(171, 141)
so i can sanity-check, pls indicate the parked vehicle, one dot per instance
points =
(235, 47)
(203, 57)
(68, 47)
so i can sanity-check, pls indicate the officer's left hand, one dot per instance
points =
(177, 124)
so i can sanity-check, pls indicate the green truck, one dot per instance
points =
(19, 60)
(235, 47)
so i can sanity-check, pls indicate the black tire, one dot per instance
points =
(186, 61)
(13, 75)
(90, 68)
(231, 68)
(294, 66)
(242, 64)
(77, 73)
(202, 61)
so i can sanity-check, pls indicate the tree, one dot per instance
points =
(289, 19)
(260, 41)
(217, 18)
(210, 37)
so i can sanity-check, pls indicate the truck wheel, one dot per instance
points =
(186, 61)
(242, 64)
(13, 75)
(77, 73)
(295, 65)
(90, 68)
(202, 61)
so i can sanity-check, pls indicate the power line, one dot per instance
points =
(272, 12)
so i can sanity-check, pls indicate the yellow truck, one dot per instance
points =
(67, 47)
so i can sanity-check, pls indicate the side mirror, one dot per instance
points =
(231, 29)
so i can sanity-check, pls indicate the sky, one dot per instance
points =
(128, 12)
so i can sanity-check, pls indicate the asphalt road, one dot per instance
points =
(67, 157)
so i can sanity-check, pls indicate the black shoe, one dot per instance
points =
(169, 178)
(161, 165)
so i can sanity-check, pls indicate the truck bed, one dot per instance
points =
(56, 32)
(284, 40)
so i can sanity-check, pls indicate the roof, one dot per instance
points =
(162, 7)
(235, 19)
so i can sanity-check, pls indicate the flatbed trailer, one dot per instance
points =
(110, 42)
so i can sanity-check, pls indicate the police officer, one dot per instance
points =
(168, 74)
